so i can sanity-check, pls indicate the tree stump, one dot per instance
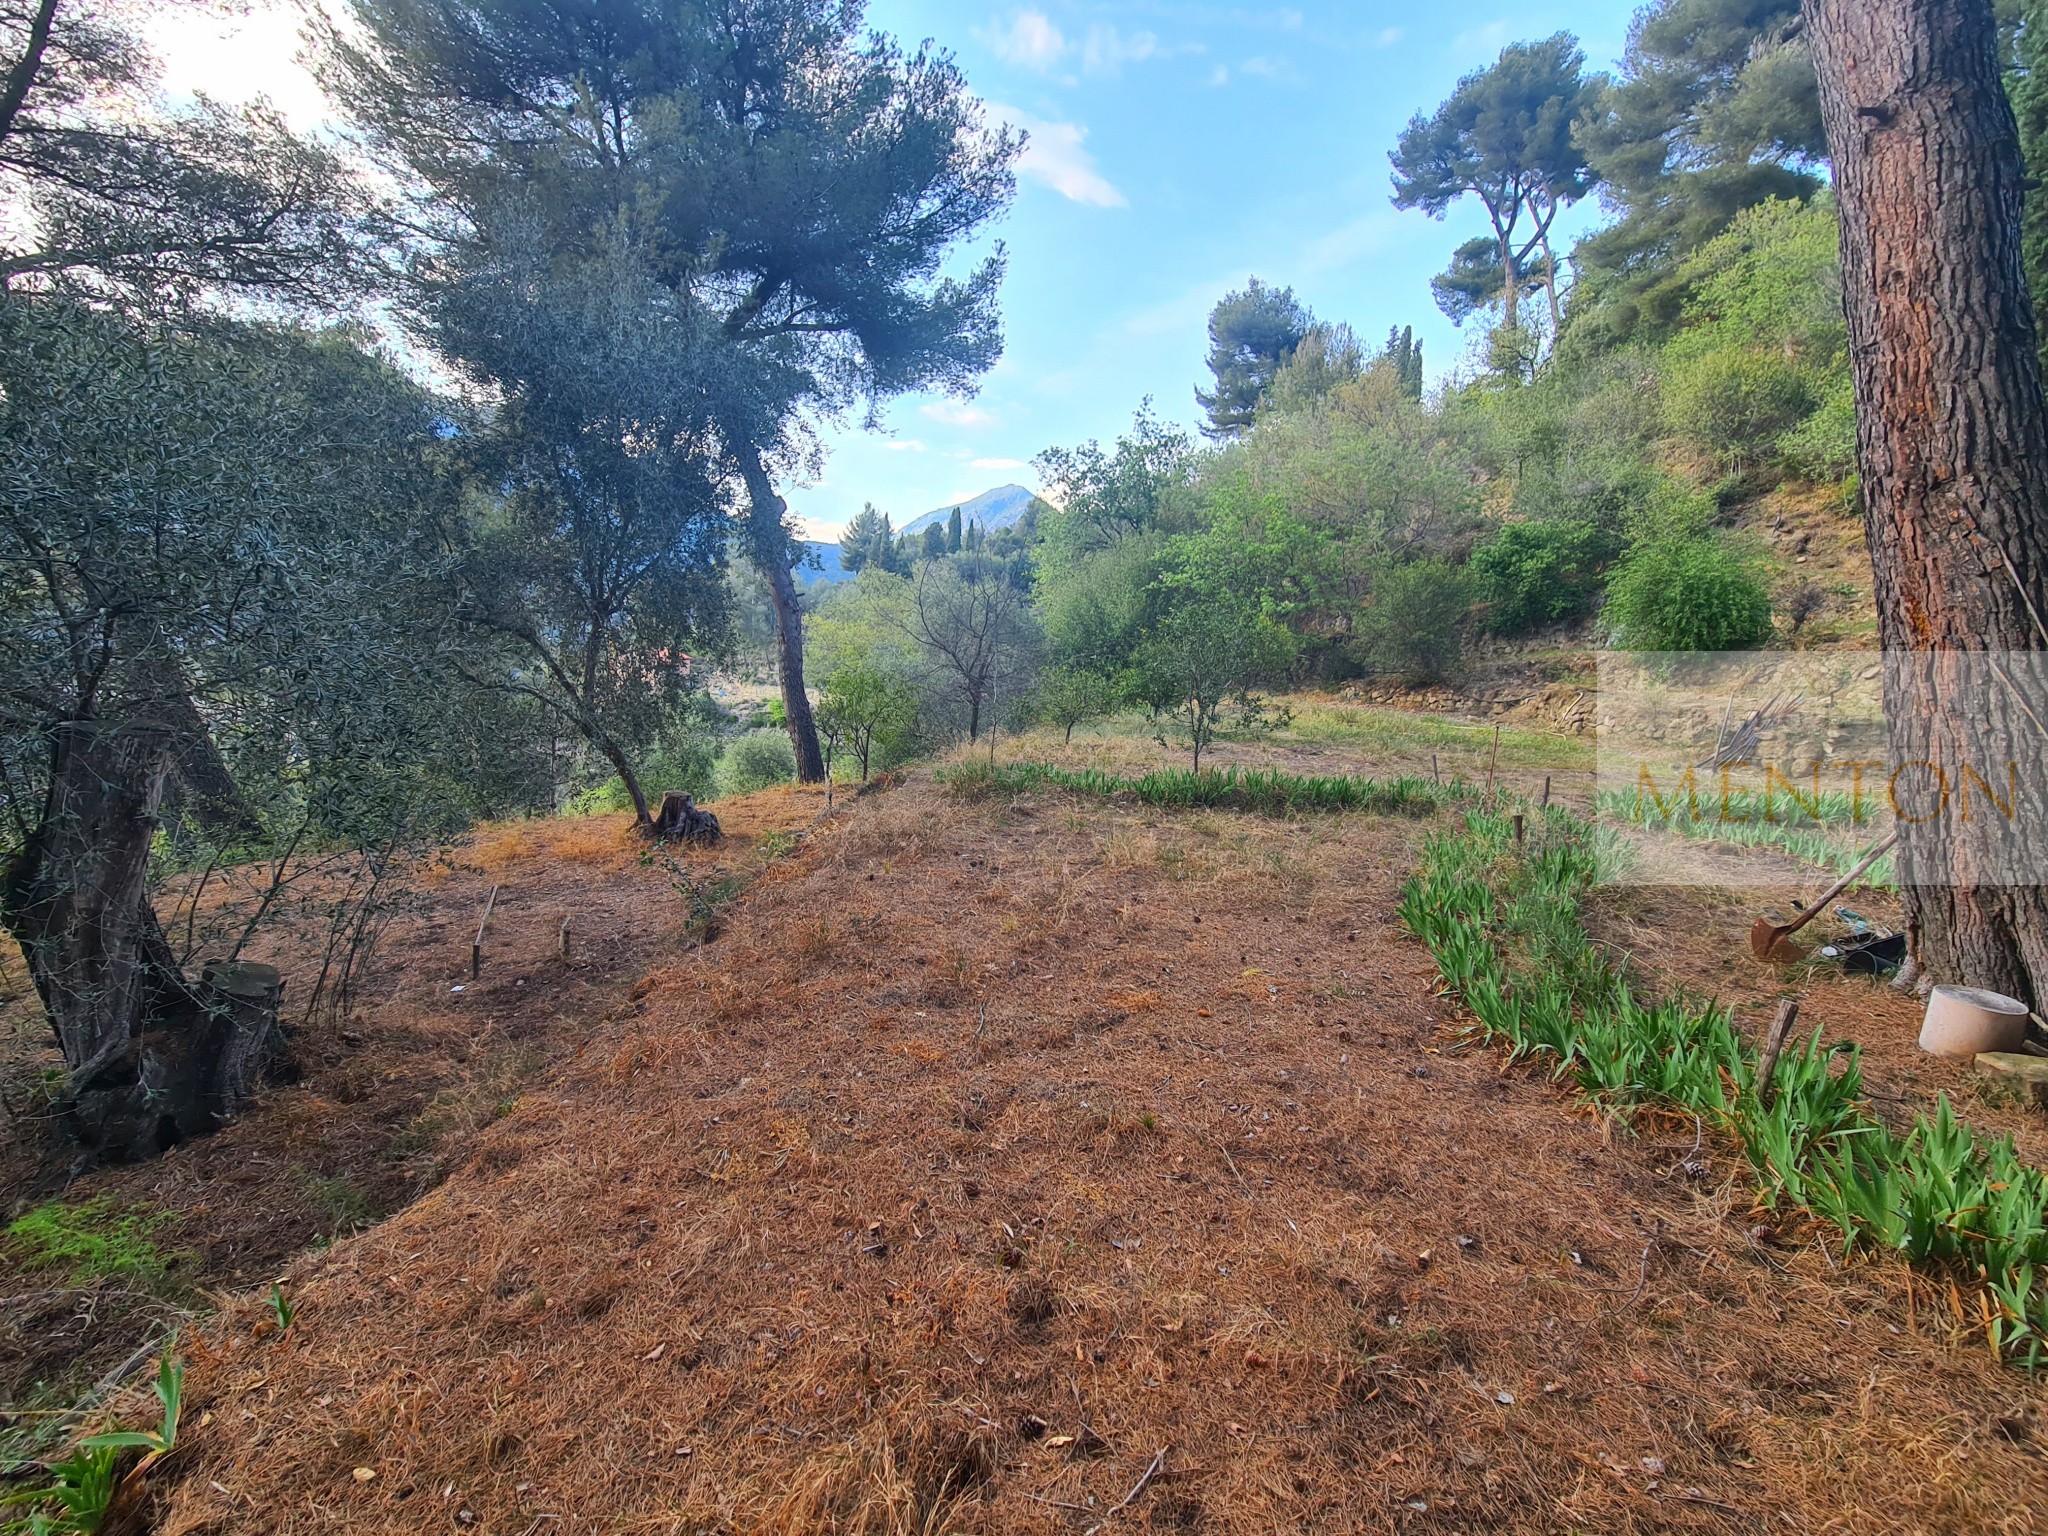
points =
(680, 821)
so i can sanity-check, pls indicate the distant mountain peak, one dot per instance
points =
(1002, 507)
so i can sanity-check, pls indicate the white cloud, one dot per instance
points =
(1263, 67)
(955, 414)
(1057, 157)
(905, 445)
(1391, 36)
(1031, 39)
(1348, 244)
(1034, 41)
(999, 464)
(1107, 50)
(1220, 75)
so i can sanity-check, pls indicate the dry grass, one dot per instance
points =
(602, 841)
(944, 1200)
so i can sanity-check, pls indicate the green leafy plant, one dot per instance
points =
(81, 1486)
(76, 1498)
(1502, 921)
(282, 1312)
(1267, 792)
(169, 1388)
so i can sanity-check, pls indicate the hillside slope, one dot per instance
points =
(1160, 1181)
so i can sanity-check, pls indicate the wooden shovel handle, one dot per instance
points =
(1878, 851)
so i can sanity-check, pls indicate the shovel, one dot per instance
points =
(1771, 942)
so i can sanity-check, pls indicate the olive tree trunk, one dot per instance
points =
(1952, 442)
(768, 544)
(151, 1057)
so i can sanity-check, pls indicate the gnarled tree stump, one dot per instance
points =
(679, 820)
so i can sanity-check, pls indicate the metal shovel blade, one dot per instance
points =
(1770, 943)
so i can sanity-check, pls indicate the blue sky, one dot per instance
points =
(1177, 149)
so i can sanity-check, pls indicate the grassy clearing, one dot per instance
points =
(1400, 730)
(1267, 792)
(1503, 924)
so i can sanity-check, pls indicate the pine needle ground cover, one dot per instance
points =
(999, 1143)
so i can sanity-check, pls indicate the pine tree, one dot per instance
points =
(953, 540)
(1714, 111)
(1252, 334)
(869, 540)
(1503, 136)
(1404, 352)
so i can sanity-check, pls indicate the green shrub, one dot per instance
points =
(1415, 627)
(1535, 573)
(1823, 447)
(1736, 403)
(93, 1240)
(757, 760)
(1691, 594)
(688, 763)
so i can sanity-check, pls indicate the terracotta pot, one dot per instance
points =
(1967, 1021)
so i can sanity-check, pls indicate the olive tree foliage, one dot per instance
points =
(106, 191)
(219, 546)
(598, 560)
(1207, 658)
(214, 540)
(789, 179)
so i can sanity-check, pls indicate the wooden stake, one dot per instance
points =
(1435, 773)
(562, 941)
(1521, 829)
(1493, 760)
(1774, 1046)
(1545, 803)
(476, 948)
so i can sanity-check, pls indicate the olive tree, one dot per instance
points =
(218, 544)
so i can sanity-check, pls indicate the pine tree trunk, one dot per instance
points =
(769, 548)
(152, 1058)
(1952, 441)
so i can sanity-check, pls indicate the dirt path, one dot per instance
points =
(995, 1150)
